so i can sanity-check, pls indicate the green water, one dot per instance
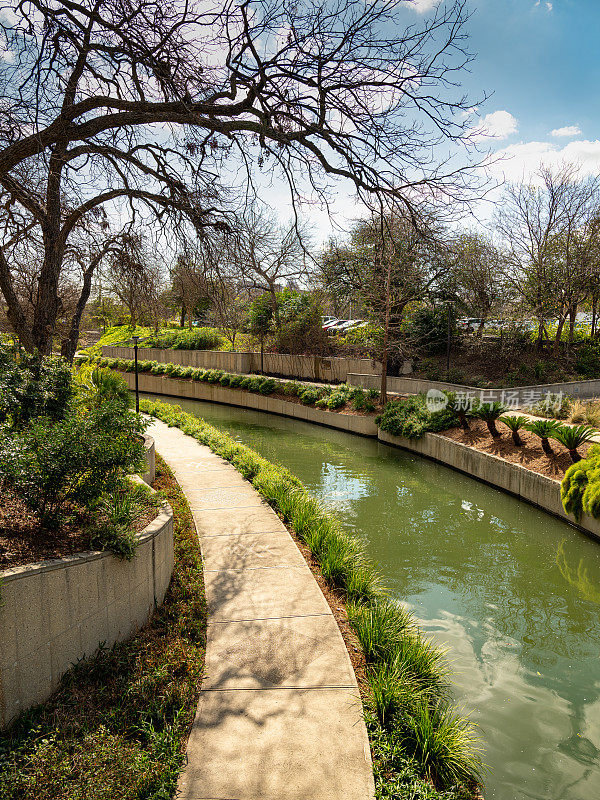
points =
(512, 592)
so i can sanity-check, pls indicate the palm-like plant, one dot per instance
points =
(573, 437)
(489, 413)
(514, 424)
(545, 429)
(458, 409)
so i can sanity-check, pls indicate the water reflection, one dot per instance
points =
(513, 592)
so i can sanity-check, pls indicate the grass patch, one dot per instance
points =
(422, 748)
(117, 725)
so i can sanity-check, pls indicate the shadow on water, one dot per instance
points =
(513, 592)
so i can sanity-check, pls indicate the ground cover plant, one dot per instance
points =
(421, 747)
(117, 726)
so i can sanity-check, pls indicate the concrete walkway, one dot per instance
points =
(279, 716)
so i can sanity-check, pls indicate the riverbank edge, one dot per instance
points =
(353, 576)
(514, 479)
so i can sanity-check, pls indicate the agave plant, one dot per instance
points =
(574, 437)
(545, 429)
(514, 424)
(489, 413)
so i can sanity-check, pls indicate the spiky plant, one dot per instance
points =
(574, 437)
(545, 429)
(489, 413)
(514, 424)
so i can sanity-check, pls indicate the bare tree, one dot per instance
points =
(479, 275)
(393, 259)
(265, 256)
(138, 105)
(548, 228)
(135, 278)
(189, 281)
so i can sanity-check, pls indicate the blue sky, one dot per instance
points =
(540, 61)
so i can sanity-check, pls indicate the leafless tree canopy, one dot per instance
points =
(141, 107)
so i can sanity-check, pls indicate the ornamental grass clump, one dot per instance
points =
(514, 425)
(573, 437)
(545, 429)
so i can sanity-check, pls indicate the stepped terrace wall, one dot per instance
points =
(55, 613)
(309, 368)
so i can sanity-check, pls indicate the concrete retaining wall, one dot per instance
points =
(150, 474)
(309, 368)
(55, 613)
(213, 393)
(527, 394)
(513, 478)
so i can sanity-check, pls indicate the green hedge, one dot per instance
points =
(322, 396)
(417, 737)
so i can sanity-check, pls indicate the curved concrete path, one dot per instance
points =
(279, 715)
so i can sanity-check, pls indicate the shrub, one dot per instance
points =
(293, 388)
(116, 514)
(33, 387)
(51, 465)
(587, 362)
(194, 339)
(411, 418)
(158, 369)
(235, 380)
(214, 375)
(256, 383)
(268, 386)
(245, 383)
(170, 369)
(225, 380)
(557, 406)
(310, 396)
(580, 488)
(490, 413)
(545, 429)
(573, 437)
(514, 424)
(106, 386)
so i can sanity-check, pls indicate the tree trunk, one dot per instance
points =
(69, 345)
(15, 313)
(594, 311)
(182, 317)
(386, 331)
(190, 313)
(546, 446)
(480, 329)
(517, 439)
(559, 330)
(575, 457)
(47, 302)
(464, 422)
(491, 424)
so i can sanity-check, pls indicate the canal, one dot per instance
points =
(513, 593)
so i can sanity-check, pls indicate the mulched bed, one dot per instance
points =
(24, 541)
(530, 455)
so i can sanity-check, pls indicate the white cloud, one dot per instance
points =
(568, 131)
(422, 6)
(549, 6)
(520, 161)
(497, 125)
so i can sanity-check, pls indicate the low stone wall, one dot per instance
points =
(55, 613)
(513, 478)
(308, 368)
(213, 393)
(150, 474)
(525, 394)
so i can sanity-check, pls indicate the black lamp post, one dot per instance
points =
(449, 339)
(137, 388)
